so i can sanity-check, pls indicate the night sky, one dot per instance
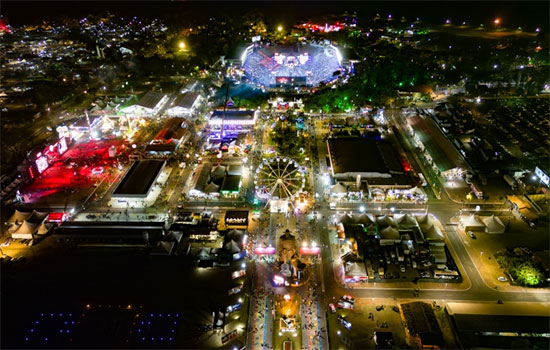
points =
(512, 14)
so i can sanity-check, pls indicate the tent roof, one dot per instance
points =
(471, 221)
(211, 188)
(44, 228)
(366, 219)
(432, 233)
(406, 221)
(218, 171)
(27, 228)
(338, 188)
(37, 217)
(232, 247)
(493, 224)
(389, 233)
(344, 219)
(385, 220)
(19, 216)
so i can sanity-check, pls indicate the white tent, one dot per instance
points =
(25, 231)
(211, 188)
(385, 220)
(406, 221)
(218, 172)
(389, 236)
(365, 219)
(232, 247)
(18, 217)
(44, 228)
(472, 223)
(432, 233)
(338, 189)
(493, 224)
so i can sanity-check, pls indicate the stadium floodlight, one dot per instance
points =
(338, 54)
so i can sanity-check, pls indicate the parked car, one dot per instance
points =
(414, 265)
(332, 308)
(348, 298)
(345, 305)
(402, 268)
(472, 235)
(502, 279)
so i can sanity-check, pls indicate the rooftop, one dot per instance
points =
(374, 159)
(186, 100)
(139, 178)
(150, 100)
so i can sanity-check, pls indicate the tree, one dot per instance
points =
(528, 274)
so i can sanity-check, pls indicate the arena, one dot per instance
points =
(301, 65)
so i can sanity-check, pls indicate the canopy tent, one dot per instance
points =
(432, 233)
(37, 217)
(18, 217)
(424, 221)
(25, 231)
(44, 228)
(218, 172)
(385, 220)
(235, 235)
(338, 189)
(204, 254)
(406, 221)
(344, 219)
(232, 247)
(389, 236)
(211, 188)
(366, 219)
(493, 224)
(472, 223)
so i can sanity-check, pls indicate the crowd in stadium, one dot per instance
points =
(260, 66)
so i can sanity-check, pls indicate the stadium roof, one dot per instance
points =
(139, 178)
(150, 100)
(445, 156)
(186, 100)
(351, 156)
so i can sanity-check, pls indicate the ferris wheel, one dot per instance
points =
(279, 178)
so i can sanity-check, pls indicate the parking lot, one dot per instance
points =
(111, 276)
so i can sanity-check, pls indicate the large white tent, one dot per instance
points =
(472, 223)
(493, 224)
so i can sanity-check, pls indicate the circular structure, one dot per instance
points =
(279, 178)
(301, 65)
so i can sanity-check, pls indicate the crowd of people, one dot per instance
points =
(261, 67)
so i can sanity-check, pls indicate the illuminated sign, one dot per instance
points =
(542, 176)
(62, 146)
(278, 280)
(310, 250)
(42, 163)
(264, 250)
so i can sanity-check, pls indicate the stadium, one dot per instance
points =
(301, 65)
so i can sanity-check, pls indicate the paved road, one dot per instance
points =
(444, 209)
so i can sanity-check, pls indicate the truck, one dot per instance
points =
(381, 272)
(510, 181)
(475, 189)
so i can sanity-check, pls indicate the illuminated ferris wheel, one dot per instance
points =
(279, 178)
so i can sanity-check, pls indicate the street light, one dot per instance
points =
(280, 28)
(181, 45)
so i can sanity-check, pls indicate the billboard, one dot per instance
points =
(41, 163)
